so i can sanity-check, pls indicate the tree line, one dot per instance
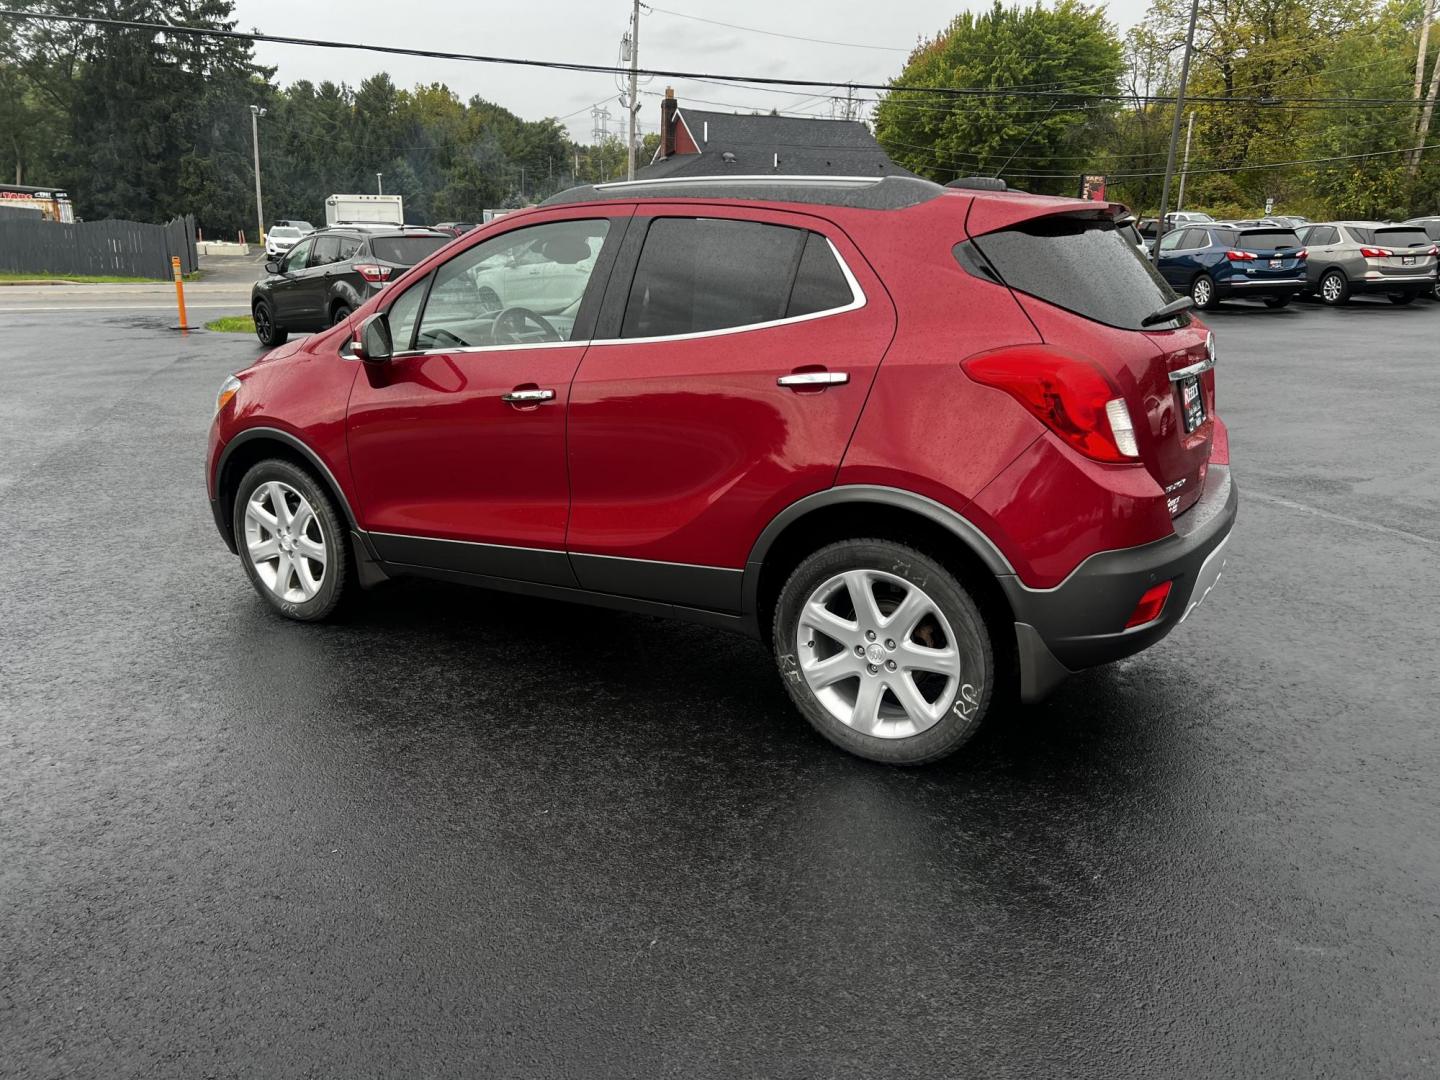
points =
(144, 125)
(1293, 64)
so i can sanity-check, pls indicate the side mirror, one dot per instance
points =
(272, 267)
(375, 345)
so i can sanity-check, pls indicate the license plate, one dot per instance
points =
(1274, 264)
(1192, 403)
(1407, 260)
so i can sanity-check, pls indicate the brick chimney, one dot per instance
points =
(668, 107)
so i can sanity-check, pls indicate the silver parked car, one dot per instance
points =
(1431, 225)
(1351, 257)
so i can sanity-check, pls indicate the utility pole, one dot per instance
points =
(1175, 127)
(634, 102)
(255, 113)
(1185, 168)
(379, 187)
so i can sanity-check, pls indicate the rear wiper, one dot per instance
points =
(1168, 312)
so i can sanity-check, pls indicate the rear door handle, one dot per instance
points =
(814, 378)
(528, 397)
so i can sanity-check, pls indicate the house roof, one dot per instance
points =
(806, 146)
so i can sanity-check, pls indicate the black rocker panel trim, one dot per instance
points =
(713, 587)
(489, 560)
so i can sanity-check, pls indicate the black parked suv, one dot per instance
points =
(330, 273)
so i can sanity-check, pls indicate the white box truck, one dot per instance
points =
(364, 210)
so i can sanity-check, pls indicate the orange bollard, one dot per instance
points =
(182, 325)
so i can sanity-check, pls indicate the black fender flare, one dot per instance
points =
(277, 435)
(343, 292)
(959, 526)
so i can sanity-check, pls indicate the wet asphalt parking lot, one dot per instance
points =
(464, 834)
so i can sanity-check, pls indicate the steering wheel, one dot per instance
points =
(510, 324)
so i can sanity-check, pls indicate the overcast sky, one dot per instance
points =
(589, 31)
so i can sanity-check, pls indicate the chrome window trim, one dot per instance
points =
(857, 301)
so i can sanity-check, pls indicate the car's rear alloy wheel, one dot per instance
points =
(341, 313)
(1334, 287)
(291, 540)
(884, 651)
(1202, 291)
(266, 330)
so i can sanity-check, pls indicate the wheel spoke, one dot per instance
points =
(278, 503)
(902, 621)
(310, 549)
(821, 618)
(309, 583)
(822, 673)
(861, 586)
(283, 569)
(866, 715)
(265, 549)
(303, 516)
(262, 517)
(944, 661)
(911, 700)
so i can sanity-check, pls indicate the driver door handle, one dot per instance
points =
(528, 397)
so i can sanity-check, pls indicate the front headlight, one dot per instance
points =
(228, 389)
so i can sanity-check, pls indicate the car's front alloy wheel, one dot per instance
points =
(291, 540)
(884, 651)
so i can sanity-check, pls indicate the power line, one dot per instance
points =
(611, 69)
(776, 33)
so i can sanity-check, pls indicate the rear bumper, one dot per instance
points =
(1081, 622)
(1389, 283)
(1259, 286)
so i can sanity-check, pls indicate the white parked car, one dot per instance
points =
(281, 239)
(545, 276)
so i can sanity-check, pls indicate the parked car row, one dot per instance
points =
(1265, 260)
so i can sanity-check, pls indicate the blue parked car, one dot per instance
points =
(1213, 262)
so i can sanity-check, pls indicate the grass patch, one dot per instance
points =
(232, 324)
(92, 279)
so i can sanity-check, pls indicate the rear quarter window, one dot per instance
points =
(1082, 265)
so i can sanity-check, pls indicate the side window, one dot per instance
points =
(349, 245)
(1432, 229)
(1329, 235)
(327, 250)
(404, 313)
(299, 257)
(1171, 240)
(699, 274)
(521, 288)
(820, 284)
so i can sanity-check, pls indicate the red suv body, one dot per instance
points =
(936, 445)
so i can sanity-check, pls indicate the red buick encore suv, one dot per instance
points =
(939, 447)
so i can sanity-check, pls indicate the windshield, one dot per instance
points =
(405, 250)
(1082, 265)
(284, 232)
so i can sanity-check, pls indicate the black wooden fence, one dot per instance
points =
(120, 248)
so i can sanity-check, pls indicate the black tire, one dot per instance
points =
(1202, 291)
(340, 314)
(266, 330)
(1337, 292)
(333, 534)
(966, 704)
(1277, 301)
(1400, 299)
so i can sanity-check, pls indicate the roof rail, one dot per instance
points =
(978, 183)
(868, 192)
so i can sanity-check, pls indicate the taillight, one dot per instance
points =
(1376, 253)
(1151, 605)
(1303, 253)
(1240, 256)
(1434, 250)
(1073, 398)
(376, 275)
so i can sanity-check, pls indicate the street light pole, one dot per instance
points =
(1185, 168)
(634, 86)
(255, 113)
(379, 187)
(1175, 128)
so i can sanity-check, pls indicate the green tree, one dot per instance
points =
(1066, 54)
